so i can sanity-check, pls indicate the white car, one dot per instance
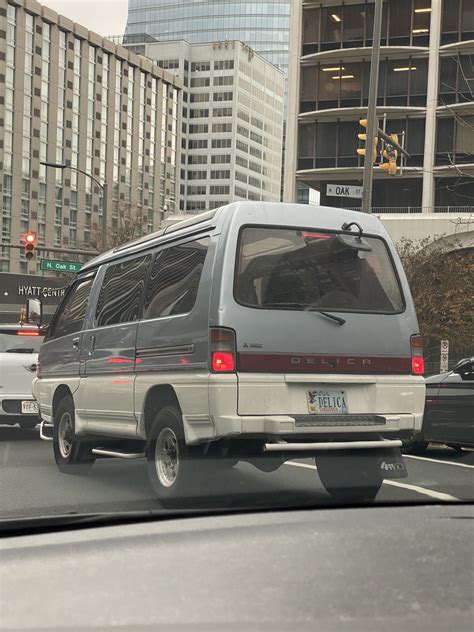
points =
(19, 346)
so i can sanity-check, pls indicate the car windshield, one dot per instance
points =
(246, 231)
(298, 269)
(17, 342)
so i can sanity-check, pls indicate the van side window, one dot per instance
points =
(73, 310)
(121, 292)
(174, 280)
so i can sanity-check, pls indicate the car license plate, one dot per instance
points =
(29, 408)
(327, 402)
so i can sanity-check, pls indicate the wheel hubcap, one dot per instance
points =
(65, 435)
(167, 457)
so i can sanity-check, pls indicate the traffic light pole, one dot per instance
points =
(372, 125)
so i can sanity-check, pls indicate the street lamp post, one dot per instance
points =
(102, 186)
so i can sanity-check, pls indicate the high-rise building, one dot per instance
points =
(425, 95)
(73, 98)
(262, 25)
(232, 122)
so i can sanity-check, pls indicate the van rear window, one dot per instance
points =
(308, 269)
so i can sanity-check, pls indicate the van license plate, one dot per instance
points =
(327, 402)
(29, 408)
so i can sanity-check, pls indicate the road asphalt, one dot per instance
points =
(30, 483)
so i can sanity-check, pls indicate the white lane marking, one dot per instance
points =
(426, 458)
(422, 490)
(412, 488)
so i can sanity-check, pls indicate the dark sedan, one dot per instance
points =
(449, 410)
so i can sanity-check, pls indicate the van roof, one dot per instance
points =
(272, 213)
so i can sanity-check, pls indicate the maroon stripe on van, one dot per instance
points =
(319, 363)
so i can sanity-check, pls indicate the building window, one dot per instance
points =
(220, 175)
(239, 192)
(198, 129)
(200, 66)
(224, 128)
(200, 82)
(197, 175)
(218, 159)
(226, 80)
(219, 190)
(221, 143)
(223, 96)
(224, 64)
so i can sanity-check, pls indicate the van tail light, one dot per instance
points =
(417, 361)
(222, 347)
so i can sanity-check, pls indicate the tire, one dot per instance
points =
(419, 446)
(28, 424)
(350, 477)
(175, 470)
(72, 455)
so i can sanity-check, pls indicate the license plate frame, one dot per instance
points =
(327, 401)
(29, 407)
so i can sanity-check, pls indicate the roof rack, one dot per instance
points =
(196, 219)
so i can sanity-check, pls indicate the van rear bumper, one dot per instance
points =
(283, 425)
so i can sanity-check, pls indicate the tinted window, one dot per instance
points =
(300, 269)
(121, 292)
(73, 310)
(174, 279)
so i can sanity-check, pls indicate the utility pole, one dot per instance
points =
(372, 125)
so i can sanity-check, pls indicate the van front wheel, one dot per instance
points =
(353, 477)
(172, 466)
(72, 455)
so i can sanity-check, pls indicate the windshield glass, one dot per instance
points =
(12, 341)
(301, 269)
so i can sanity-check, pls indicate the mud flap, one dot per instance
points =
(391, 463)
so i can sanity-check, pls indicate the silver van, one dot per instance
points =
(258, 331)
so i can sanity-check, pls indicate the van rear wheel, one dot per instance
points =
(173, 467)
(72, 455)
(351, 477)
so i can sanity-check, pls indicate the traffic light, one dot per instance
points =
(29, 240)
(391, 154)
(362, 152)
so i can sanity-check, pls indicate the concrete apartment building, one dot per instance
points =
(69, 96)
(232, 121)
(426, 88)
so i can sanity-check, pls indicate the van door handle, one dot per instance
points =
(75, 343)
(92, 347)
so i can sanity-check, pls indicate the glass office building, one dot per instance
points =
(262, 25)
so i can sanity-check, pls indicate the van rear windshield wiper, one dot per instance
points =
(309, 308)
(20, 350)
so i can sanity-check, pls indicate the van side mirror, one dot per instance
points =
(34, 311)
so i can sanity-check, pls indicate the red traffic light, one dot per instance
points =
(29, 239)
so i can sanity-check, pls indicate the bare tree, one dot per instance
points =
(128, 223)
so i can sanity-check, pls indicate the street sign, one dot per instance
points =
(444, 356)
(60, 266)
(344, 190)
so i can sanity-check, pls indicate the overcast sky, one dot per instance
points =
(106, 17)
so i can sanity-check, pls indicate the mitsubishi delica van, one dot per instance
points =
(258, 331)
